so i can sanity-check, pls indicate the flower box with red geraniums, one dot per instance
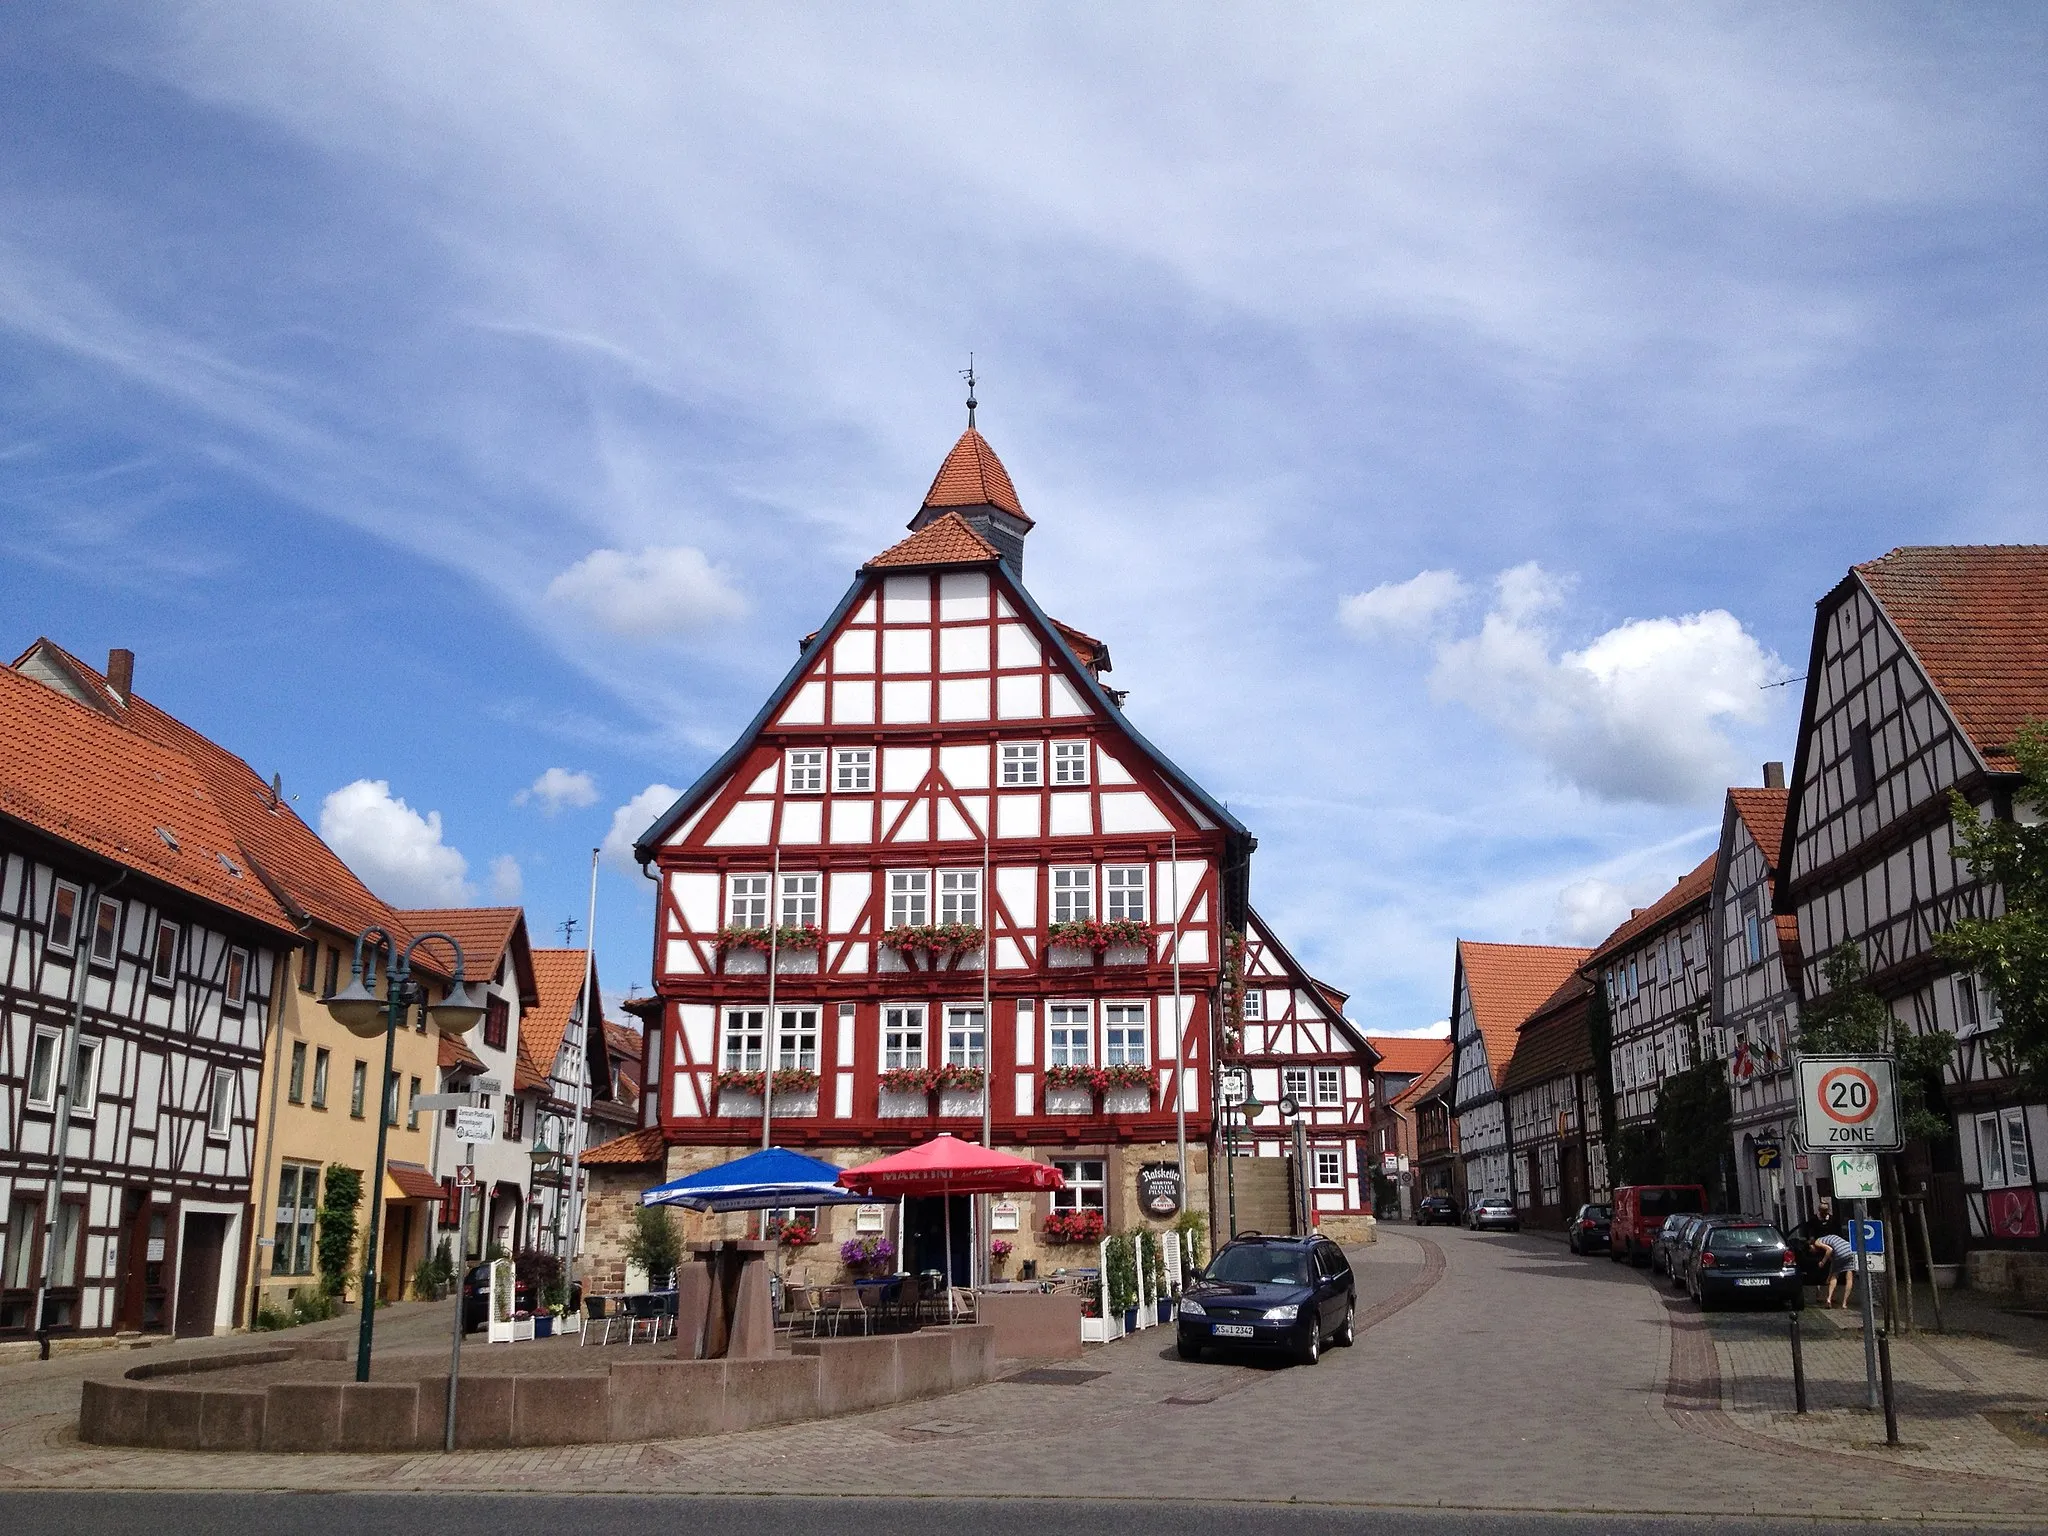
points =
(1070, 1228)
(1124, 1074)
(930, 1079)
(787, 1080)
(1100, 934)
(789, 936)
(798, 1234)
(934, 939)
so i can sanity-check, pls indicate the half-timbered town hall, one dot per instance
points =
(942, 883)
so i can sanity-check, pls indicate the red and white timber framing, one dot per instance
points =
(1297, 1044)
(939, 754)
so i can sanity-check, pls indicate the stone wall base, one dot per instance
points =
(2016, 1272)
(1349, 1231)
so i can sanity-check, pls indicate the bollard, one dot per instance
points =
(1884, 1369)
(1798, 1369)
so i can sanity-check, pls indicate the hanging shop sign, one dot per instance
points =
(1159, 1189)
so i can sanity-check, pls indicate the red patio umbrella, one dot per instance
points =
(946, 1165)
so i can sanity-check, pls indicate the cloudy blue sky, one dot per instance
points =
(1449, 414)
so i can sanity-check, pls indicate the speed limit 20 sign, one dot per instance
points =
(1849, 1104)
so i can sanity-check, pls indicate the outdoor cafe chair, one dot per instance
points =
(842, 1301)
(598, 1309)
(651, 1312)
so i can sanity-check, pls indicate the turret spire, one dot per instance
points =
(967, 373)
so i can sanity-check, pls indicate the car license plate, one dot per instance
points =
(1759, 1280)
(1230, 1330)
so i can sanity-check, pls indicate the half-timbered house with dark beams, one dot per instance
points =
(1439, 1169)
(1559, 1152)
(1925, 664)
(943, 779)
(319, 1099)
(1755, 1004)
(1493, 989)
(1297, 1046)
(142, 953)
(1654, 968)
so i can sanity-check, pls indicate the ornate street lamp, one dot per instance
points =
(363, 1013)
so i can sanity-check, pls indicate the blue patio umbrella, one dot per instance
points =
(761, 1181)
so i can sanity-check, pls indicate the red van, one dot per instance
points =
(1640, 1209)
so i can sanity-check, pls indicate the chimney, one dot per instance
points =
(121, 673)
(1774, 775)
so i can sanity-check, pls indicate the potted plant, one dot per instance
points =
(999, 1254)
(934, 941)
(1123, 1281)
(797, 1234)
(1066, 1229)
(867, 1255)
(1099, 935)
(654, 1246)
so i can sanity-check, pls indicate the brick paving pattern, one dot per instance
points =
(1496, 1372)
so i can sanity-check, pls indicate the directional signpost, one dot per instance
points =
(473, 1123)
(1849, 1109)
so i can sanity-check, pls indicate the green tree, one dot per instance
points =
(655, 1245)
(2011, 951)
(1694, 1130)
(337, 1242)
(1852, 1020)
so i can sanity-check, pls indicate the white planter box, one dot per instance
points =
(1069, 1101)
(1063, 957)
(745, 962)
(796, 962)
(1124, 954)
(902, 1104)
(738, 1106)
(960, 1102)
(795, 1106)
(1127, 1101)
(1101, 1330)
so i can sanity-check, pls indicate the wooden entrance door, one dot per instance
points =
(1571, 1165)
(132, 1271)
(199, 1273)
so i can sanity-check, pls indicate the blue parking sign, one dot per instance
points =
(1866, 1236)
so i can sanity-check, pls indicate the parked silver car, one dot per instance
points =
(1493, 1213)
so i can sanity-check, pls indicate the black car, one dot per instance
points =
(1289, 1293)
(1668, 1247)
(476, 1297)
(1737, 1259)
(1588, 1232)
(1435, 1209)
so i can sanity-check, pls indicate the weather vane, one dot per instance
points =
(967, 373)
(568, 926)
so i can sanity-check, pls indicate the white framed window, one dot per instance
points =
(1254, 1003)
(796, 1039)
(1073, 894)
(1976, 1012)
(1329, 1087)
(746, 901)
(85, 1079)
(220, 1108)
(960, 896)
(744, 1042)
(1069, 1036)
(42, 1067)
(163, 960)
(853, 770)
(1123, 893)
(298, 1200)
(2004, 1159)
(106, 929)
(910, 898)
(237, 984)
(1123, 1034)
(61, 934)
(1020, 760)
(800, 900)
(1070, 762)
(903, 1035)
(1752, 931)
(1294, 1084)
(966, 1038)
(1329, 1168)
(804, 770)
(1085, 1189)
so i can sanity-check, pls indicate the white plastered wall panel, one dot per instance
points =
(965, 767)
(806, 706)
(696, 897)
(963, 595)
(904, 769)
(744, 826)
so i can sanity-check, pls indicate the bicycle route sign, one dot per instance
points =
(1849, 1104)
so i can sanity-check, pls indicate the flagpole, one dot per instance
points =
(768, 1037)
(979, 1261)
(592, 1010)
(1180, 1093)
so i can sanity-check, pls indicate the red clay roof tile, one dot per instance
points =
(1508, 982)
(1691, 889)
(1977, 617)
(972, 476)
(1401, 1054)
(484, 934)
(948, 540)
(1426, 1084)
(559, 973)
(641, 1146)
(1763, 812)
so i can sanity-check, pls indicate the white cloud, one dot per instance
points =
(648, 591)
(633, 818)
(1640, 714)
(394, 850)
(507, 880)
(1587, 911)
(557, 788)
(1402, 609)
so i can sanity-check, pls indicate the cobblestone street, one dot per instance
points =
(1495, 1372)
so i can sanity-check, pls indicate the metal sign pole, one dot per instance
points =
(461, 1275)
(1869, 1322)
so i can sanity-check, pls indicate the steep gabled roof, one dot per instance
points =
(947, 540)
(1403, 1054)
(1332, 1011)
(972, 476)
(1692, 889)
(1976, 617)
(455, 1054)
(1763, 812)
(559, 974)
(1508, 982)
(1553, 1040)
(484, 933)
(74, 774)
(306, 876)
(1423, 1086)
(632, 1149)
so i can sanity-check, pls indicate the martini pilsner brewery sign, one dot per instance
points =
(1159, 1190)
